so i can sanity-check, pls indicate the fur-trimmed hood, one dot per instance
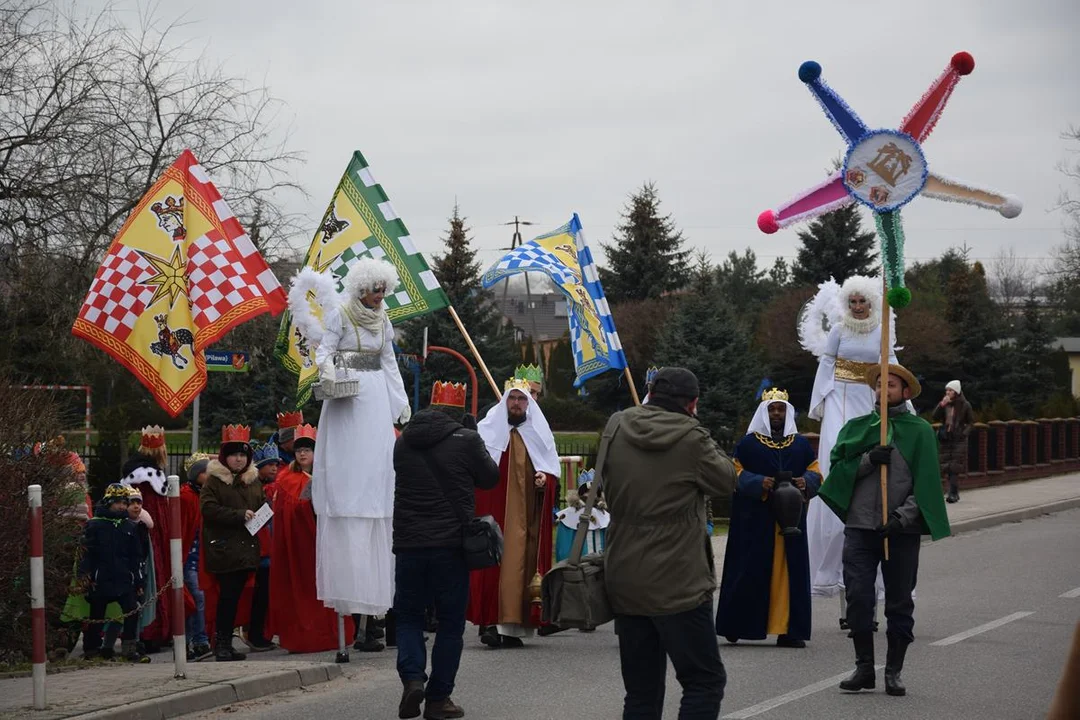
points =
(215, 469)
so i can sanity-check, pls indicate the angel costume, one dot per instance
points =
(840, 393)
(352, 487)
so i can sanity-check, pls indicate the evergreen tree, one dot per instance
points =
(704, 335)
(459, 272)
(646, 258)
(1029, 376)
(560, 373)
(835, 245)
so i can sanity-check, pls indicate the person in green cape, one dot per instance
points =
(915, 507)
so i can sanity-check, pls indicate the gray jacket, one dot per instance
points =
(864, 513)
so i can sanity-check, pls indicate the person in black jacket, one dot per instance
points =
(111, 571)
(438, 462)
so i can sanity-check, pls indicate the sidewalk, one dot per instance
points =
(121, 691)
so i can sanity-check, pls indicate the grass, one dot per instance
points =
(578, 440)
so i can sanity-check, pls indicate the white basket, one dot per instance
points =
(332, 390)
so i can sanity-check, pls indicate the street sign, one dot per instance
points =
(227, 361)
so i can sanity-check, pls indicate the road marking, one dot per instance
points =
(779, 700)
(953, 639)
(1075, 592)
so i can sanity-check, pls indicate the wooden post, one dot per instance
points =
(883, 401)
(633, 387)
(475, 352)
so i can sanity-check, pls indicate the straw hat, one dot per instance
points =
(898, 370)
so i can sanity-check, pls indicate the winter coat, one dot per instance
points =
(660, 467)
(112, 555)
(953, 442)
(225, 542)
(423, 517)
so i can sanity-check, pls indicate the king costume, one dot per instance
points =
(765, 588)
(522, 446)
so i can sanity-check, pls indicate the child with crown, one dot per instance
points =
(765, 588)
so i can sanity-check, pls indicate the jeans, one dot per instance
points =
(424, 577)
(195, 624)
(92, 635)
(689, 639)
(231, 586)
(863, 551)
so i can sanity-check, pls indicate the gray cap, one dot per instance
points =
(676, 382)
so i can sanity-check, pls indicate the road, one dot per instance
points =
(994, 616)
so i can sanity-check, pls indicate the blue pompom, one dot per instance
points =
(809, 71)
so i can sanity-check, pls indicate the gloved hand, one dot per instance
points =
(890, 528)
(881, 455)
(327, 372)
(406, 415)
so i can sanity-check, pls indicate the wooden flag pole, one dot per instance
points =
(633, 387)
(475, 352)
(883, 401)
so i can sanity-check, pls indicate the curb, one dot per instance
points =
(1010, 516)
(218, 694)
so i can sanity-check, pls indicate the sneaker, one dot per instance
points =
(442, 710)
(202, 651)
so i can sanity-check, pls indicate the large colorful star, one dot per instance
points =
(171, 277)
(886, 169)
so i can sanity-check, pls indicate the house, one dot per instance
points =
(1071, 347)
(541, 316)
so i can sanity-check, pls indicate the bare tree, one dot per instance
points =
(1011, 279)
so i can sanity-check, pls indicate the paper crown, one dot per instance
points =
(585, 477)
(235, 434)
(517, 384)
(532, 373)
(264, 454)
(192, 459)
(305, 431)
(774, 395)
(650, 374)
(289, 419)
(153, 436)
(449, 394)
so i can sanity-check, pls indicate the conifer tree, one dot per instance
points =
(834, 245)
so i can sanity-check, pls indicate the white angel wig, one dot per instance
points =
(869, 288)
(368, 274)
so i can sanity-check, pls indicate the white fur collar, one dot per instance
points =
(225, 475)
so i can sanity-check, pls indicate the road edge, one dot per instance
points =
(219, 694)
(1010, 516)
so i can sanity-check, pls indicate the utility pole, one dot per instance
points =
(515, 242)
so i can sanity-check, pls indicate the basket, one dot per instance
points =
(332, 390)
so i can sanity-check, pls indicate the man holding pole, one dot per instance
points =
(903, 469)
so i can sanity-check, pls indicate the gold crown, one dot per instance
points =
(517, 384)
(774, 395)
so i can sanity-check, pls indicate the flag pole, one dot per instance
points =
(475, 352)
(883, 400)
(633, 387)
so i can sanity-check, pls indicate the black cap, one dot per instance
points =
(676, 382)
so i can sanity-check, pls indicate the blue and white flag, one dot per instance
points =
(564, 256)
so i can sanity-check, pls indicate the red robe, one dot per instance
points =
(483, 606)
(190, 522)
(160, 630)
(303, 623)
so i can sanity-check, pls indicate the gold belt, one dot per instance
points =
(851, 371)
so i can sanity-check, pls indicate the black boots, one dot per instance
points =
(223, 649)
(894, 663)
(954, 490)
(863, 677)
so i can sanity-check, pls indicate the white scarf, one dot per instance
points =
(761, 425)
(359, 314)
(535, 432)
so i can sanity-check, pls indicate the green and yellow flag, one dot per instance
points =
(360, 222)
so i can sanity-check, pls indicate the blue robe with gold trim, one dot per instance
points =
(765, 588)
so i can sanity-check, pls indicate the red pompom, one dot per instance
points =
(766, 222)
(963, 63)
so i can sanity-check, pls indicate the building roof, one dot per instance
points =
(546, 310)
(1068, 344)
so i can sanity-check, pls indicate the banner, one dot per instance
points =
(179, 275)
(565, 257)
(360, 222)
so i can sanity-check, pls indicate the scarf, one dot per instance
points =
(360, 315)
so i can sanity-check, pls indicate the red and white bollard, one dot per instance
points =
(176, 559)
(37, 595)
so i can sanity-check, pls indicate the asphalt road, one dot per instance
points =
(1021, 579)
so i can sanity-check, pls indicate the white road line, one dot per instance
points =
(1075, 592)
(776, 702)
(953, 639)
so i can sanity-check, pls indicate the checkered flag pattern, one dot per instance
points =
(116, 298)
(591, 279)
(531, 256)
(216, 279)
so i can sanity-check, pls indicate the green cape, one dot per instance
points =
(915, 440)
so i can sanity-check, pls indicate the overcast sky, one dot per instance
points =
(540, 109)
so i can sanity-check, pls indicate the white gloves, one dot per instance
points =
(406, 415)
(327, 371)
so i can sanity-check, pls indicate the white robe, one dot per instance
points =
(834, 402)
(352, 488)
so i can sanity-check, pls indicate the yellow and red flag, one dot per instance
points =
(179, 275)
